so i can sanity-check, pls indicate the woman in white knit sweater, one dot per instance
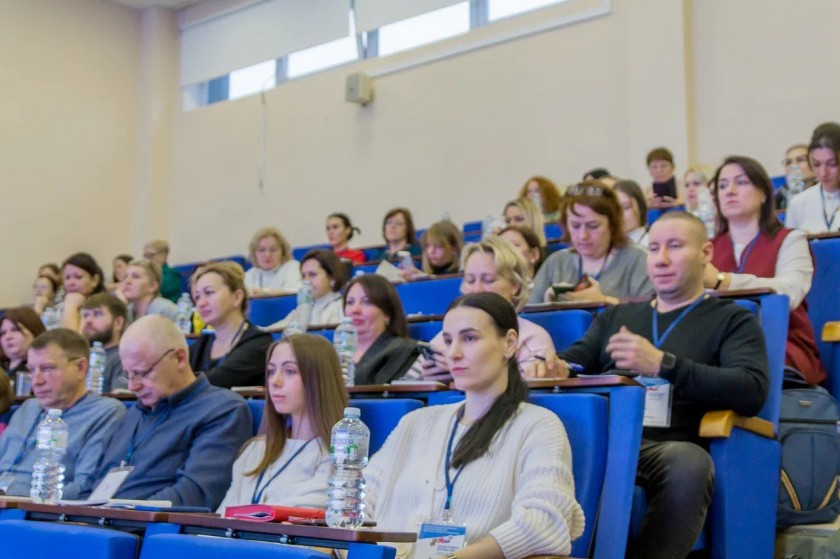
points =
(290, 464)
(514, 489)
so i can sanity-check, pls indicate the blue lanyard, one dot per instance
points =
(828, 223)
(745, 254)
(258, 493)
(450, 484)
(601, 271)
(659, 340)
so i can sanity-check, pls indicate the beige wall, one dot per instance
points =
(68, 124)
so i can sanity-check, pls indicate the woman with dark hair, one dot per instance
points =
(81, 277)
(325, 272)
(633, 211)
(384, 351)
(817, 209)
(527, 243)
(305, 396)
(441, 461)
(753, 250)
(18, 327)
(601, 265)
(118, 269)
(339, 232)
(234, 353)
(399, 234)
(664, 193)
(600, 174)
(545, 194)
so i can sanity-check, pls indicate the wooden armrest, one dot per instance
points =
(719, 424)
(831, 332)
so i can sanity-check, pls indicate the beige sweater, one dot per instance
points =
(521, 492)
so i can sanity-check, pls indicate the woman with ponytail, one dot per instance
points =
(493, 463)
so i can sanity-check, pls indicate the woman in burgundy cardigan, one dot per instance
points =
(753, 250)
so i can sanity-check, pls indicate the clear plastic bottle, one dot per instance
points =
(185, 313)
(48, 472)
(706, 210)
(51, 318)
(345, 341)
(446, 217)
(536, 198)
(300, 321)
(349, 445)
(96, 368)
(406, 262)
(795, 183)
(487, 226)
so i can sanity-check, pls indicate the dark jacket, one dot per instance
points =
(244, 365)
(388, 358)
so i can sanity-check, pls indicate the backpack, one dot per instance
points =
(809, 430)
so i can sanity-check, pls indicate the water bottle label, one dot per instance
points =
(49, 439)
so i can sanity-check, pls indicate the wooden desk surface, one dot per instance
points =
(276, 528)
(820, 236)
(587, 382)
(96, 512)
(9, 502)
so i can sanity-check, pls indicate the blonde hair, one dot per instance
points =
(158, 245)
(275, 234)
(232, 274)
(705, 172)
(533, 216)
(509, 263)
(442, 233)
(152, 271)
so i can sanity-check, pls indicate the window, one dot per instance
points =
(252, 79)
(500, 9)
(324, 56)
(424, 29)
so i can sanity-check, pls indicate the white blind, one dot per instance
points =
(258, 32)
(371, 14)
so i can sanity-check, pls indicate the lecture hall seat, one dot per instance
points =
(824, 300)
(48, 540)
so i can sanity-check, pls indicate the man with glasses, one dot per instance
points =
(171, 283)
(179, 441)
(58, 363)
(796, 159)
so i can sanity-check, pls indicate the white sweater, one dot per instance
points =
(328, 309)
(302, 484)
(285, 278)
(810, 209)
(521, 492)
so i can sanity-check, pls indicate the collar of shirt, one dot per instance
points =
(168, 403)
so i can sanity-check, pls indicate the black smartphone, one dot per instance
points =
(562, 287)
(426, 351)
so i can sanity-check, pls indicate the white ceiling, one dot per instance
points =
(143, 4)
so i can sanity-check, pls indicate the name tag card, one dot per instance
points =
(439, 540)
(657, 401)
(110, 484)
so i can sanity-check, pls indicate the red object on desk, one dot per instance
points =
(271, 513)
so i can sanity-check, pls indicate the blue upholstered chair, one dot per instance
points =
(268, 310)
(824, 303)
(565, 326)
(179, 546)
(48, 540)
(382, 415)
(431, 296)
(300, 252)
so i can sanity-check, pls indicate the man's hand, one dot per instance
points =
(551, 367)
(632, 352)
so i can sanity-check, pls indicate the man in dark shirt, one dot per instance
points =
(104, 318)
(711, 352)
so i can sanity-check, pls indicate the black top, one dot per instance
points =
(388, 358)
(12, 372)
(244, 365)
(721, 359)
(451, 268)
(667, 188)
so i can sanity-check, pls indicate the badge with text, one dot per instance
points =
(111, 483)
(439, 540)
(657, 401)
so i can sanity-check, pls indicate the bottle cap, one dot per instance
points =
(352, 412)
(54, 412)
(97, 344)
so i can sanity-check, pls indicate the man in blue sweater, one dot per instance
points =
(179, 442)
(58, 363)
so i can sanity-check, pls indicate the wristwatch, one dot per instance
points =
(720, 277)
(669, 361)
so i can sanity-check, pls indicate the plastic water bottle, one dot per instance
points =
(300, 320)
(48, 472)
(185, 313)
(345, 341)
(446, 217)
(795, 182)
(487, 226)
(96, 368)
(51, 318)
(406, 263)
(349, 445)
(536, 198)
(706, 210)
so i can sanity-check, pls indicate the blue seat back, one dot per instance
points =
(266, 311)
(553, 231)
(366, 268)
(586, 419)
(823, 299)
(257, 408)
(553, 247)
(653, 214)
(424, 331)
(429, 296)
(371, 253)
(381, 416)
(565, 326)
(472, 227)
(179, 546)
(300, 252)
(48, 540)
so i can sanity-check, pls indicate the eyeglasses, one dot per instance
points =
(787, 161)
(395, 223)
(267, 250)
(150, 255)
(581, 190)
(140, 375)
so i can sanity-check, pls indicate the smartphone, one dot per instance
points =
(562, 287)
(426, 351)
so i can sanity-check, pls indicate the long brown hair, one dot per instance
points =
(602, 200)
(549, 193)
(23, 317)
(323, 389)
(383, 295)
(768, 223)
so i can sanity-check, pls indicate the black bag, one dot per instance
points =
(809, 430)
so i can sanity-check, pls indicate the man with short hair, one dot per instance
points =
(710, 351)
(58, 362)
(181, 438)
(171, 282)
(104, 319)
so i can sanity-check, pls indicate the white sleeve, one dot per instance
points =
(794, 271)
(792, 218)
(233, 496)
(290, 278)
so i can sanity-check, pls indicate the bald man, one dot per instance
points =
(179, 442)
(712, 354)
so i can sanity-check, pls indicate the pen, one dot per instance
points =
(574, 367)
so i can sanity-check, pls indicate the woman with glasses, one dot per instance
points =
(290, 464)
(233, 354)
(141, 289)
(664, 193)
(602, 264)
(752, 250)
(398, 232)
(274, 270)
